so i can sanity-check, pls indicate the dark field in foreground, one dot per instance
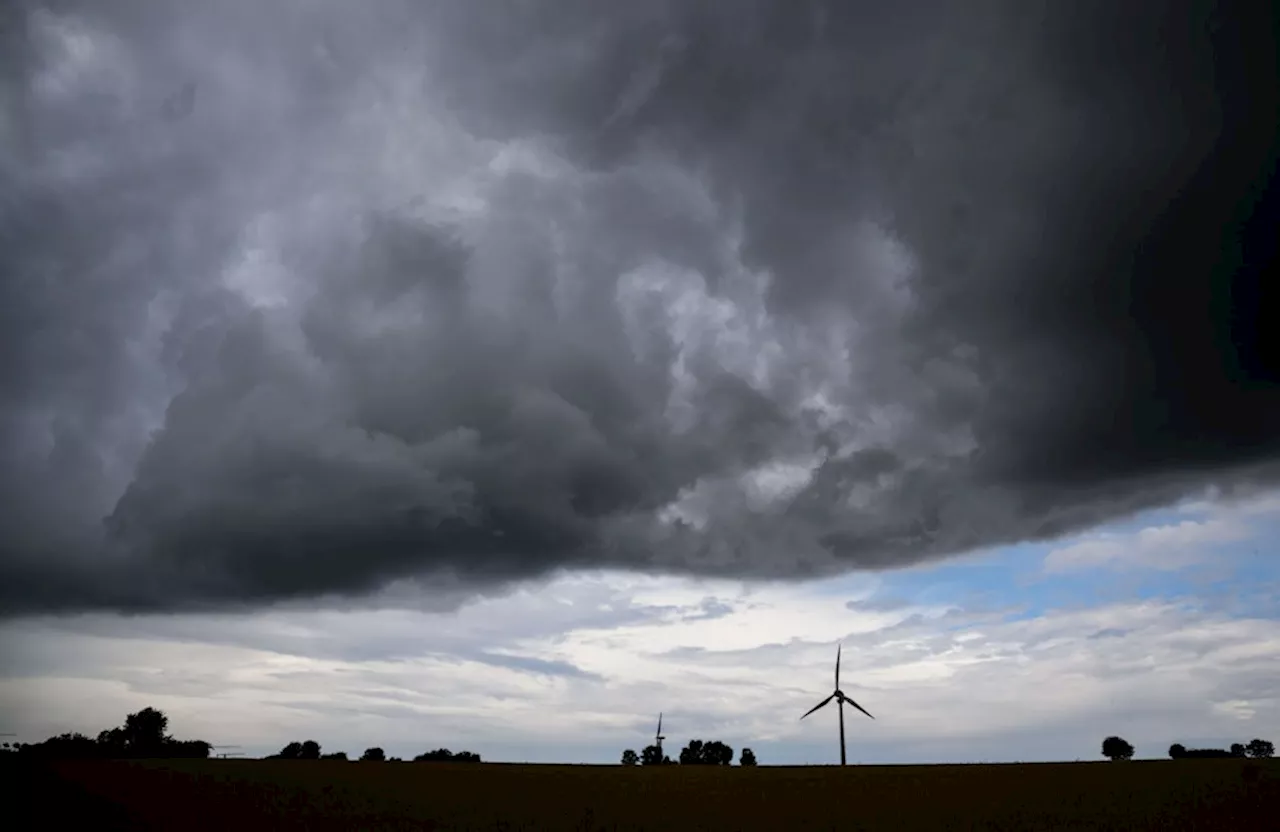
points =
(286, 795)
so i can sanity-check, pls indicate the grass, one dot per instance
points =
(289, 795)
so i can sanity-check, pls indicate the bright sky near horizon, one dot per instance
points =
(1162, 629)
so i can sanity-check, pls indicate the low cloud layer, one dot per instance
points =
(305, 300)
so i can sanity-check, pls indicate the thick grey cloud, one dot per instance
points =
(302, 300)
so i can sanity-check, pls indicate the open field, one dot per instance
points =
(286, 795)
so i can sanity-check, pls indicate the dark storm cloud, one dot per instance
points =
(302, 299)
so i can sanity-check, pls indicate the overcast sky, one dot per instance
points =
(500, 373)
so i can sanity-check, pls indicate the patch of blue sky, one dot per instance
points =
(987, 581)
(1242, 576)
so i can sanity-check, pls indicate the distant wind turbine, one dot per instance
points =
(658, 737)
(840, 698)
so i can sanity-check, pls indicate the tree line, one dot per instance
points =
(145, 734)
(1256, 748)
(310, 750)
(1116, 748)
(696, 753)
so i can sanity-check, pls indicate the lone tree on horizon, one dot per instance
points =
(1116, 748)
(1258, 749)
(146, 730)
(1177, 751)
(748, 757)
(630, 758)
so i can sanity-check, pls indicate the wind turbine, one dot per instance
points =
(840, 698)
(659, 738)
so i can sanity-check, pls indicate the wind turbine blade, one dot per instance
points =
(819, 705)
(856, 705)
(659, 724)
(837, 667)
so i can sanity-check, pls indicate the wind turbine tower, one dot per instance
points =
(840, 698)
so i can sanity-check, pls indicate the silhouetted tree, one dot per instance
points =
(306, 750)
(1115, 748)
(69, 746)
(187, 749)
(652, 755)
(444, 755)
(292, 751)
(112, 742)
(373, 755)
(143, 735)
(716, 753)
(748, 757)
(1259, 749)
(1237, 749)
(144, 732)
(1206, 754)
(336, 755)
(629, 758)
(699, 753)
(1177, 751)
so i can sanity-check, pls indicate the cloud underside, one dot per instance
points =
(304, 301)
